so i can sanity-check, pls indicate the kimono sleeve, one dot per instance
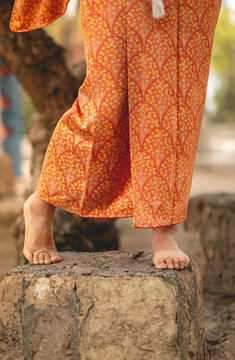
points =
(33, 14)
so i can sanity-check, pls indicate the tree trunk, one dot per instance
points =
(51, 86)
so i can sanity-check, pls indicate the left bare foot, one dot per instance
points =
(39, 245)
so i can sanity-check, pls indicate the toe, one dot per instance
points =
(160, 265)
(41, 258)
(176, 263)
(159, 262)
(169, 262)
(187, 260)
(29, 256)
(54, 256)
(182, 262)
(36, 258)
(47, 259)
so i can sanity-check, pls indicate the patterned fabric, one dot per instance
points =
(32, 14)
(127, 146)
(28, 15)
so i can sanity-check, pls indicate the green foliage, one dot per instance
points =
(223, 64)
(28, 110)
(223, 55)
(225, 102)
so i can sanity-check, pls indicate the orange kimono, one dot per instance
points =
(127, 145)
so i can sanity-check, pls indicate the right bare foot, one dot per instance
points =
(39, 245)
(167, 254)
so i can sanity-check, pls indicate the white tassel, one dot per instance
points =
(158, 9)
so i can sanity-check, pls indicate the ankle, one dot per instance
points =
(164, 236)
(172, 228)
(38, 207)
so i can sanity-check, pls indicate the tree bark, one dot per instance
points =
(50, 84)
(31, 56)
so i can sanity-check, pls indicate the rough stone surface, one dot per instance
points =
(208, 234)
(220, 326)
(11, 337)
(210, 224)
(102, 305)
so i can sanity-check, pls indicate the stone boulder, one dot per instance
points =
(210, 231)
(111, 305)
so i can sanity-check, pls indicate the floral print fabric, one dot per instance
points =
(127, 145)
(33, 14)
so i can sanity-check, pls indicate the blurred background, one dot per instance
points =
(215, 162)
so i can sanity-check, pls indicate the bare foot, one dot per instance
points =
(39, 245)
(167, 254)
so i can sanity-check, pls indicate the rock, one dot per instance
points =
(102, 305)
(76, 233)
(208, 235)
(210, 229)
(219, 326)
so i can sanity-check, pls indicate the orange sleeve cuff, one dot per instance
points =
(33, 14)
